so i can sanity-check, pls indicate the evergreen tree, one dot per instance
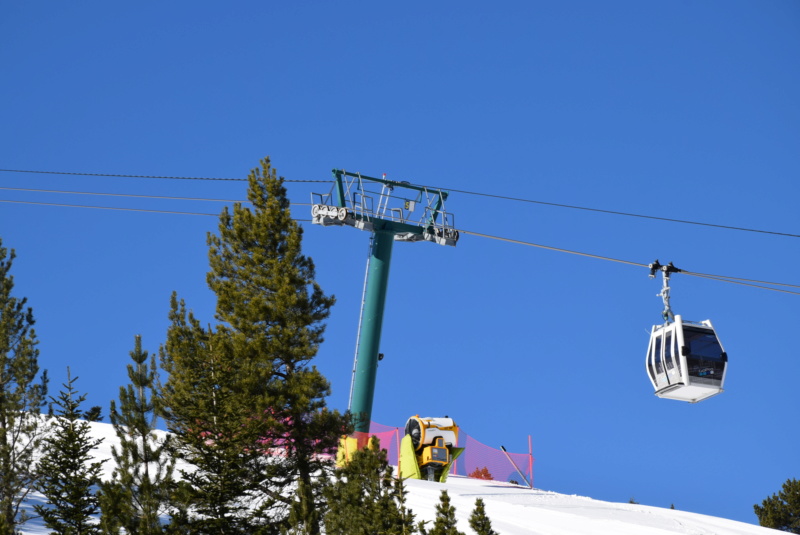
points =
(212, 431)
(67, 475)
(782, 510)
(445, 522)
(95, 414)
(245, 387)
(405, 521)
(138, 492)
(21, 400)
(365, 498)
(478, 520)
(267, 295)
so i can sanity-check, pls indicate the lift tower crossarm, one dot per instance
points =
(351, 203)
(386, 181)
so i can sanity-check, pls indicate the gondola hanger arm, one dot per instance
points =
(666, 271)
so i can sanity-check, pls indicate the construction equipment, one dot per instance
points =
(429, 447)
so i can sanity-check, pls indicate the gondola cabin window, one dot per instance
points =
(705, 359)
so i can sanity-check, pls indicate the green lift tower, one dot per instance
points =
(391, 211)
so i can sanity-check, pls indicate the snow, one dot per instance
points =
(516, 510)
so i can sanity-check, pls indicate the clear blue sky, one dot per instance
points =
(682, 109)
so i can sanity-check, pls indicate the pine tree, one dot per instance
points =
(267, 294)
(478, 520)
(21, 400)
(782, 510)
(405, 521)
(245, 387)
(445, 522)
(365, 498)
(67, 474)
(211, 427)
(138, 492)
(95, 414)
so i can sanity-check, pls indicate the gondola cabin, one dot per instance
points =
(686, 361)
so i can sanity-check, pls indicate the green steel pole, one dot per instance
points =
(371, 323)
(339, 188)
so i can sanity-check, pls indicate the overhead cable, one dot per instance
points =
(734, 280)
(131, 209)
(135, 196)
(721, 278)
(552, 248)
(613, 212)
(727, 277)
(141, 176)
(465, 192)
(108, 208)
(122, 195)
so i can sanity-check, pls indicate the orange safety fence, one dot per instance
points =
(478, 461)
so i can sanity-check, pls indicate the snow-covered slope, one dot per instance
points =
(520, 511)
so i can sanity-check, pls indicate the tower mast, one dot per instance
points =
(420, 215)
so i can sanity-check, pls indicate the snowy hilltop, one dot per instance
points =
(516, 510)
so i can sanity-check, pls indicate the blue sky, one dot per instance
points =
(683, 110)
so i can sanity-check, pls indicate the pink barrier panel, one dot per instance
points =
(484, 462)
(478, 460)
(375, 427)
(389, 440)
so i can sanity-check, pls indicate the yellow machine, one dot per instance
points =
(430, 447)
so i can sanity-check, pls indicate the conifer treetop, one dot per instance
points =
(67, 472)
(262, 280)
(479, 521)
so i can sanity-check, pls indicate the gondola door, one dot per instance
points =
(664, 359)
(655, 358)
